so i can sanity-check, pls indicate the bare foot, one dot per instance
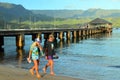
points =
(31, 71)
(38, 76)
(44, 70)
(52, 73)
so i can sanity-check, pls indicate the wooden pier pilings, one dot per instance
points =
(58, 33)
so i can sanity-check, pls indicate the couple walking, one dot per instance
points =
(34, 56)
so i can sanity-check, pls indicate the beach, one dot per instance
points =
(13, 73)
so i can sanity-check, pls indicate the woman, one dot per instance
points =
(34, 53)
(49, 52)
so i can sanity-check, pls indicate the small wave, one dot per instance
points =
(117, 66)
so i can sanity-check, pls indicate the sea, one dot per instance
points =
(95, 57)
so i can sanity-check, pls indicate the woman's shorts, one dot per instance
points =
(35, 57)
(50, 57)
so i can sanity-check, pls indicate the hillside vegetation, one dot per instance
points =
(16, 16)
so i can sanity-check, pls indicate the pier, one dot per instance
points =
(36, 33)
(93, 27)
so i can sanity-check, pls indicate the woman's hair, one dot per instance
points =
(51, 36)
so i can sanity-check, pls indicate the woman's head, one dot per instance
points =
(51, 37)
(37, 41)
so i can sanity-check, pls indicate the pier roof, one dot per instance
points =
(99, 21)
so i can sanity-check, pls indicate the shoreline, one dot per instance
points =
(12, 73)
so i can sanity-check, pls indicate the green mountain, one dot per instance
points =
(59, 13)
(13, 14)
(90, 13)
(10, 11)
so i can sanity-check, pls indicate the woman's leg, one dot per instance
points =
(51, 67)
(45, 68)
(32, 70)
(36, 65)
(51, 64)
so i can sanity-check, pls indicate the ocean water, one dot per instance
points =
(95, 57)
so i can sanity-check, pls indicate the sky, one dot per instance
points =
(66, 4)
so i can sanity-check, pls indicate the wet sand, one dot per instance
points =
(12, 73)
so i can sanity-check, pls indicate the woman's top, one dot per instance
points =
(35, 52)
(49, 48)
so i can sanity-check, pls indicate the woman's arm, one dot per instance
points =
(39, 46)
(30, 52)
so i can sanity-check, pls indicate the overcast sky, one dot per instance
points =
(66, 4)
